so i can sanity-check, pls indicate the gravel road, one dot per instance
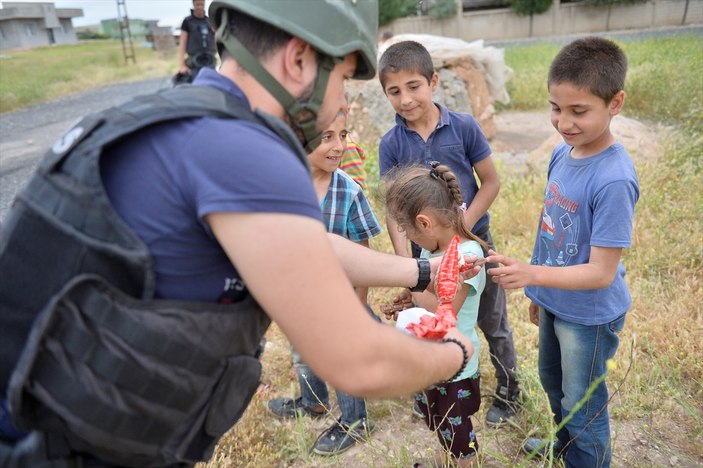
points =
(25, 135)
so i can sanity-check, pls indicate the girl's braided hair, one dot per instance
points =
(414, 189)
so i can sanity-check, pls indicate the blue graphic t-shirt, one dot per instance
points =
(587, 202)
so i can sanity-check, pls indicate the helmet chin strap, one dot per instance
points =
(303, 114)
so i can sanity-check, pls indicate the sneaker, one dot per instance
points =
(504, 407)
(542, 447)
(340, 437)
(417, 412)
(290, 408)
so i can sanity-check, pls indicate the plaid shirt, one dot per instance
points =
(346, 210)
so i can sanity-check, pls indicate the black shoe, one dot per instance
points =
(340, 437)
(290, 408)
(504, 407)
(417, 412)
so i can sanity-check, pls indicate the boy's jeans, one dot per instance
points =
(314, 393)
(571, 356)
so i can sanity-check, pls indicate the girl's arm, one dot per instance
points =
(295, 276)
(487, 193)
(598, 273)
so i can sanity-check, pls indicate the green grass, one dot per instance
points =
(664, 80)
(32, 76)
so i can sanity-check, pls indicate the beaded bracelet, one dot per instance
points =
(466, 358)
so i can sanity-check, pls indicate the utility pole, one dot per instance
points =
(123, 24)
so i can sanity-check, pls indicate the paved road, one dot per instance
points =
(25, 135)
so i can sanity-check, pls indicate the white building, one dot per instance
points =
(36, 24)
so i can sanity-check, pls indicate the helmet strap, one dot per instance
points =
(303, 114)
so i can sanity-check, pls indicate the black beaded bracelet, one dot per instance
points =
(423, 275)
(466, 358)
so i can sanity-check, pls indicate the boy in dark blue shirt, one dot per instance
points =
(427, 131)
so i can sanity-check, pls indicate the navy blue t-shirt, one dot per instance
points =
(164, 180)
(457, 142)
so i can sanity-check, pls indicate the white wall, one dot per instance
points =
(559, 20)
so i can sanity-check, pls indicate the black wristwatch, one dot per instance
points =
(423, 275)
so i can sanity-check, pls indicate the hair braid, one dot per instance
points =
(447, 176)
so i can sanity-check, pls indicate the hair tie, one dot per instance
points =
(462, 207)
(433, 170)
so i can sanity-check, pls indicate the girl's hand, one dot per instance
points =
(400, 302)
(534, 313)
(512, 275)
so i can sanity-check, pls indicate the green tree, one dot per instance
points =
(441, 9)
(609, 4)
(389, 10)
(530, 7)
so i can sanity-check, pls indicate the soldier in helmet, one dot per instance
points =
(196, 48)
(231, 232)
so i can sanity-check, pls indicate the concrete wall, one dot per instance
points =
(559, 20)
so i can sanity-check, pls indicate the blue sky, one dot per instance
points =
(168, 12)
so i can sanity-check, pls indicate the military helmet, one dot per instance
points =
(333, 27)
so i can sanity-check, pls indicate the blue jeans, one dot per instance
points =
(571, 356)
(314, 393)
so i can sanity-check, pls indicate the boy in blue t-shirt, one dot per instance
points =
(426, 131)
(575, 279)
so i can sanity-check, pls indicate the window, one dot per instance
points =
(29, 29)
(2, 33)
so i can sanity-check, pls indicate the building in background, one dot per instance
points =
(36, 24)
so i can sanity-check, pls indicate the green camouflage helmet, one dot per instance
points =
(335, 28)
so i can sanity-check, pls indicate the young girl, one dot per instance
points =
(428, 207)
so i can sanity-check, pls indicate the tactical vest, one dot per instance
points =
(95, 360)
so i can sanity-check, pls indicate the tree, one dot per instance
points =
(441, 9)
(610, 4)
(389, 10)
(530, 7)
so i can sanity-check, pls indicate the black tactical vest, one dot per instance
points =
(88, 356)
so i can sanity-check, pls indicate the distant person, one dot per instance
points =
(352, 163)
(426, 131)
(196, 48)
(346, 212)
(428, 205)
(575, 279)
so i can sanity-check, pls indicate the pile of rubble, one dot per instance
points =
(471, 78)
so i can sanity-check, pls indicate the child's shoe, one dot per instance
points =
(504, 407)
(290, 408)
(340, 437)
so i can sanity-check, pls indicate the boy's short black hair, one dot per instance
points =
(407, 56)
(591, 63)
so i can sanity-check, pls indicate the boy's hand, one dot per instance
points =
(402, 301)
(534, 313)
(512, 275)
